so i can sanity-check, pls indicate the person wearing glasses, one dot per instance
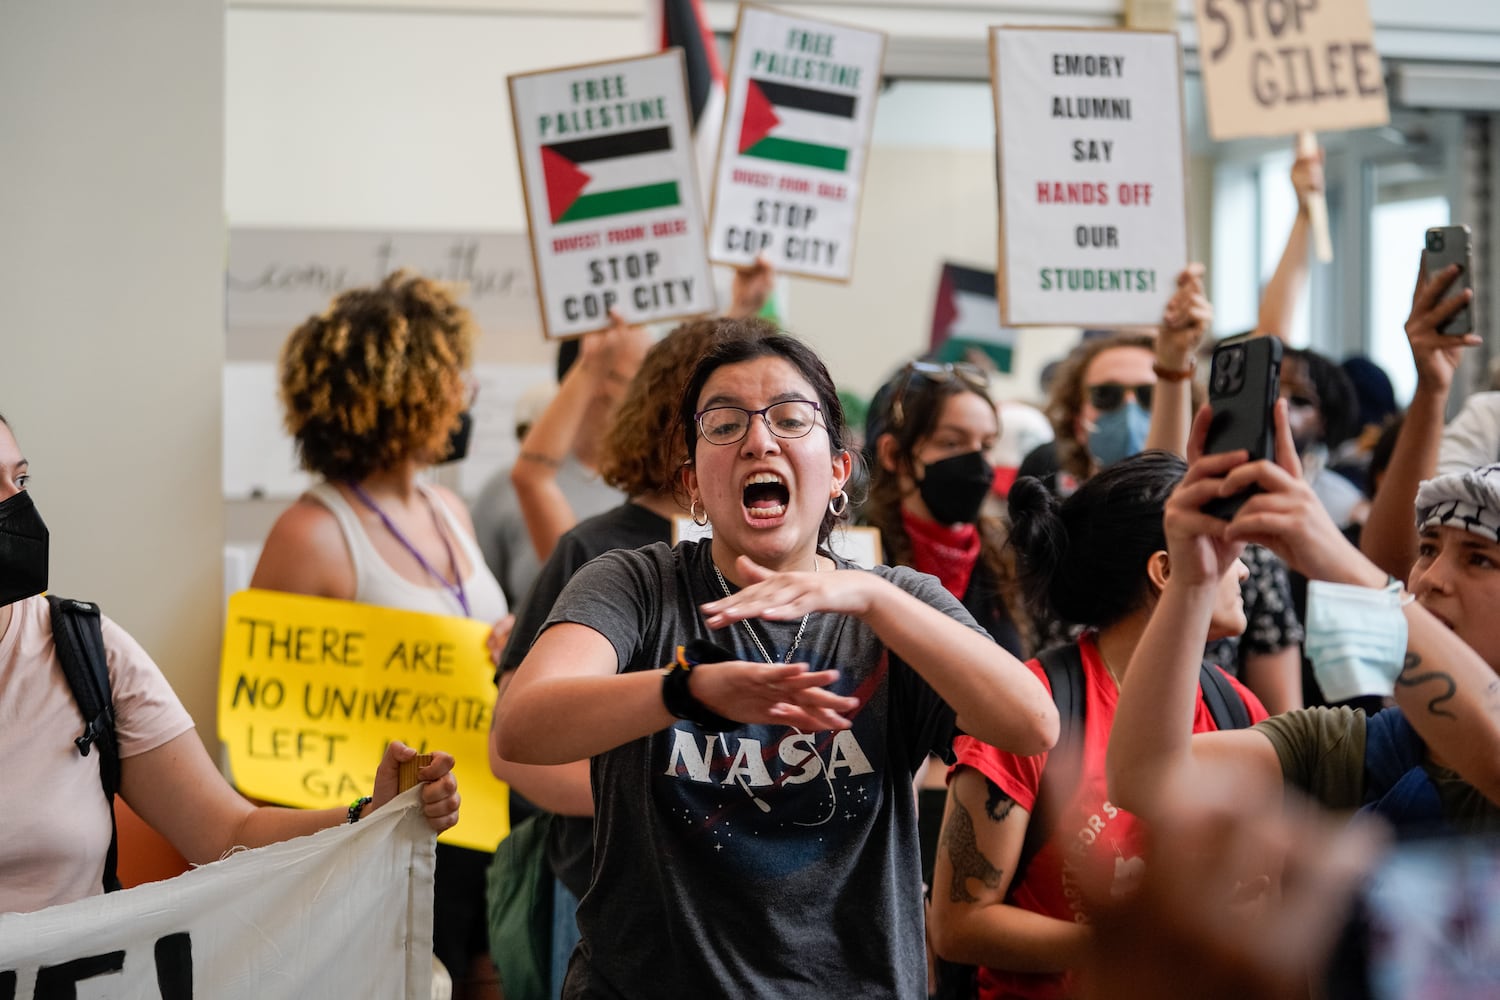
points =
(754, 708)
(374, 391)
(1103, 395)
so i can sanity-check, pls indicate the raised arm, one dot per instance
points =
(1184, 323)
(1445, 688)
(1278, 303)
(1153, 753)
(607, 361)
(1389, 537)
(997, 699)
(969, 920)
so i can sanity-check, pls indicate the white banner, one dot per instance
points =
(1093, 196)
(344, 913)
(612, 198)
(795, 141)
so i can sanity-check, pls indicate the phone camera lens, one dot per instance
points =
(1435, 242)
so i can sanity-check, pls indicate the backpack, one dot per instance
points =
(78, 636)
(1063, 666)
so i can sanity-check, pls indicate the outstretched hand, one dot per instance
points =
(1198, 544)
(1437, 355)
(1286, 517)
(751, 288)
(439, 787)
(1185, 321)
(784, 694)
(786, 596)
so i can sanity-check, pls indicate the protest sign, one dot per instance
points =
(345, 912)
(1093, 196)
(611, 189)
(1274, 67)
(795, 141)
(966, 316)
(311, 690)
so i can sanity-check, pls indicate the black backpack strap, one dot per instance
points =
(1224, 703)
(79, 638)
(1063, 666)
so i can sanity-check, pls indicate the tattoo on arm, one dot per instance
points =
(964, 854)
(1410, 677)
(998, 805)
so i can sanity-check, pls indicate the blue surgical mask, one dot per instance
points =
(1356, 638)
(1119, 433)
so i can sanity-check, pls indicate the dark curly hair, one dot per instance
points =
(922, 402)
(799, 356)
(1083, 560)
(378, 379)
(640, 454)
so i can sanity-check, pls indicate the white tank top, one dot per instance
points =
(377, 583)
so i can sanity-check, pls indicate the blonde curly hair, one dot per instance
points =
(377, 379)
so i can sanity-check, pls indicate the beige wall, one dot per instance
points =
(111, 271)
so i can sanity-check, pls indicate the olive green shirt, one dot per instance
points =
(1322, 753)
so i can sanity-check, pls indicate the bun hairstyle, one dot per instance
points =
(1082, 561)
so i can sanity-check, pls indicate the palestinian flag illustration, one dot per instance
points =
(966, 314)
(797, 125)
(610, 175)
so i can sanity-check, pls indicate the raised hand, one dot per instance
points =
(1437, 355)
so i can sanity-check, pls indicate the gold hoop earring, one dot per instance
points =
(699, 515)
(837, 505)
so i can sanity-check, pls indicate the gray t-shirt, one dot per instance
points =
(761, 862)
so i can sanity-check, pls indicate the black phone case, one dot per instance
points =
(1244, 380)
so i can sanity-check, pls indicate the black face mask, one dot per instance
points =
(458, 441)
(23, 549)
(954, 489)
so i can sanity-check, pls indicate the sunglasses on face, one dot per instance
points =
(938, 373)
(1107, 396)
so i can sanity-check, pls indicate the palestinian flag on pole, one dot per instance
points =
(684, 26)
(797, 125)
(610, 175)
(966, 315)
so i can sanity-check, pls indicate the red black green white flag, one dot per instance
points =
(805, 126)
(610, 175)
(966, 315)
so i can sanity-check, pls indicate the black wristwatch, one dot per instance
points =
(678, 697)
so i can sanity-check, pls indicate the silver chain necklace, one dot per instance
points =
(797, 641)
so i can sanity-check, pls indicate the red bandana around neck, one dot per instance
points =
(948, 553)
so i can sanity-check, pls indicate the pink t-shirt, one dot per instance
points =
(54, 822)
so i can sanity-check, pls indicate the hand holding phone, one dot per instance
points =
(1447, 245)
(1244, 380)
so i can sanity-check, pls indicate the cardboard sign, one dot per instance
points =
(1093, 195)
(795, 141)
(612, 195)
(346, 912)
(311, 691)
(966, 316)
(1273, 67)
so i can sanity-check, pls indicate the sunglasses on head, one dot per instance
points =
(937, 372)
(1107, 396)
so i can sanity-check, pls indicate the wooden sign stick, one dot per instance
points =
(406, 777)
(1317, 203)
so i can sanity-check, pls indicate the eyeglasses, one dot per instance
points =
(939, 373)
(1107, 396)
(790, 418)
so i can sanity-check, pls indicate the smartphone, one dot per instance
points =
(1244, 380)
(1452, 245)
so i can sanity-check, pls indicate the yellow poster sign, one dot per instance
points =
(311, 690)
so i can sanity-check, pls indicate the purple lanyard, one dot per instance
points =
(456, 589)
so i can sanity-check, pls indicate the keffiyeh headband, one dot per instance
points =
(1468, 500)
